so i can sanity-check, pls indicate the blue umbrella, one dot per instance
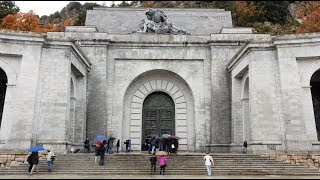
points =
(101, 138)
(36, 149)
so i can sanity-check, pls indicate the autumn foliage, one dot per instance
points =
(246, 13)
(309, 14)
(148, 3)
(26, 22)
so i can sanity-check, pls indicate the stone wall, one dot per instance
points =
(16, 159)
(307, 160)
(126, 20)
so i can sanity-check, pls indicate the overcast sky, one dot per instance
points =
(49, 7)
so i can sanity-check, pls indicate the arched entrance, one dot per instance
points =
(158, 115)
(315, 91)
(3, 89)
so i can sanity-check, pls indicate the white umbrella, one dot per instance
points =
(165, 135)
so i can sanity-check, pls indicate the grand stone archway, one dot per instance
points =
(158, 115)
(163, 82)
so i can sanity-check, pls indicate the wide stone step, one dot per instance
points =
(191, 164)
(175, 173)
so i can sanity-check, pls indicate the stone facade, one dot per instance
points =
(227, 84)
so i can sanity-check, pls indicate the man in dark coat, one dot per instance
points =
(245, 146)
(176, 145)
(102, 152)
(86, 146)
(30, 161)
(153, 160)
(35, 162)
(118, 145)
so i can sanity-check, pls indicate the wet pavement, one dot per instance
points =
(68, 176)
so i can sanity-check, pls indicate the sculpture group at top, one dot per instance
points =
(157, 23)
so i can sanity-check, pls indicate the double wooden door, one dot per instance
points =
(158, 115)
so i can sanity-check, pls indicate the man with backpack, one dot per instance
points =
(50, 158)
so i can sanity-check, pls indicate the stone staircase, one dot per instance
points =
(183, 163)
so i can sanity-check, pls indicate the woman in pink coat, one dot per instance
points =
(162, 163)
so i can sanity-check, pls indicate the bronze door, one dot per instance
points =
(158, 115)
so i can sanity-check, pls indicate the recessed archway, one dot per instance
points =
(3, 89)
(315, 92)
(174, 86)
(246, 111)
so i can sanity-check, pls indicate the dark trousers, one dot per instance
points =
(101, 163)
(30, 167)
(153, 166)
(162, 168)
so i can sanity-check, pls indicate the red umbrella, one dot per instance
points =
(175, 137)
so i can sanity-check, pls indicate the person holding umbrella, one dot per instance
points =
(102, 151)
(30, 161)
(162, 160)
(162, 163)
(35, 162)
(33, 159)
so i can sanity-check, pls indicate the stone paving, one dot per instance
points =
(59, 176)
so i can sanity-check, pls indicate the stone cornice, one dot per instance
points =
(22, 37)
(246, 48)
(163, 9)
(72, 45)
(297, 39)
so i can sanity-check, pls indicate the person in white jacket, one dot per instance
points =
(50, 159)
(208, 162)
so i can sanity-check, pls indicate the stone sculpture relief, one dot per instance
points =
(157, 23)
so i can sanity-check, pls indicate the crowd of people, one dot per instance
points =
(169, 144)
(153, 145)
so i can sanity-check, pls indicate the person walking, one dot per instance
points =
(90, 145)
(153, 161)
(86, 146)
(118, 145)
(208, 161)
(161, 144)
(35, 162)
(30, 161)
(50, 159)
(162, 163)
(110, 145)
(97, 153)
(128, 145)
(102, 152)
(153, 145)
(244, 146)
